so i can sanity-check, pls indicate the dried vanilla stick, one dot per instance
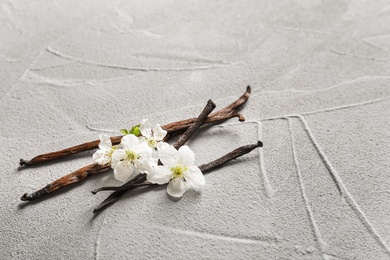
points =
(71, 178)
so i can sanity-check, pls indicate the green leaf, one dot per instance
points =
(135, 130)
(124, 131)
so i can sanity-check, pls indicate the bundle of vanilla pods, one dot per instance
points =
(142, 157)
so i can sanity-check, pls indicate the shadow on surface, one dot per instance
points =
(124, 195)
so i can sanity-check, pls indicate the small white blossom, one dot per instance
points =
(134, 157)
(103, 156)
(179, 170)
(140, 155)
(154, 137)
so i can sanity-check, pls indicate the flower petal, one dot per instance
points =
(129, 142)
(176, 187)
(117, 156)
(161, 175)
(195, 177)
(144, 150)
(105, 142)
(159, 133)
(155, 155)
(147, 165)
(123, 172)
(186, 156)
(146, 128)
(101, 157)
(168, 155)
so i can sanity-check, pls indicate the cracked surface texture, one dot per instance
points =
(320, 75)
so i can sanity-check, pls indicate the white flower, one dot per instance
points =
(154, 137)
(178, 169)
(103, 156)
(134, 157)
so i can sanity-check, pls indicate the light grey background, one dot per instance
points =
(320, 73)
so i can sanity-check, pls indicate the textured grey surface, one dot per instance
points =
(320, 72)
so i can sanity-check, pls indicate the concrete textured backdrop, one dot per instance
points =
(320, 73)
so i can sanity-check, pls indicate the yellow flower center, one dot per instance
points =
(178, 171)
(131, 156)
(152, 143)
